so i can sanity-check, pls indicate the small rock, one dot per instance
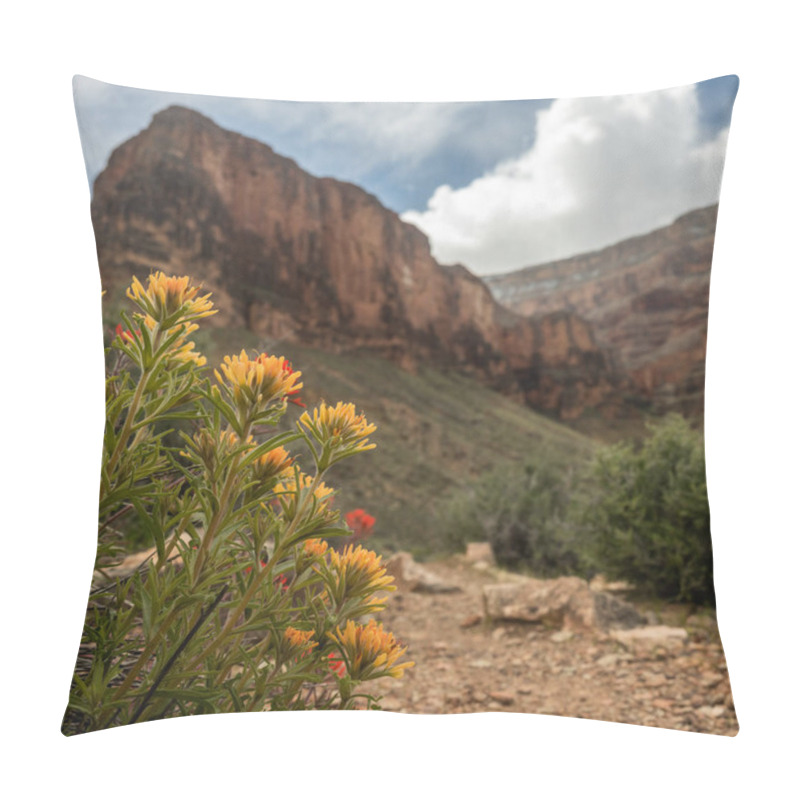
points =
(711, 711)
(710, 679)
(561, 636)
(415, 577)
(653, 680)
(481, 663)
(480, 553)
(503, 698)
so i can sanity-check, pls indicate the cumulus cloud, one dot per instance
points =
(601, 170)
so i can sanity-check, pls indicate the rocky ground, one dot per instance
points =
(467, 663)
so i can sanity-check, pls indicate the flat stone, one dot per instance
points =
(503, 698)
(651, 637)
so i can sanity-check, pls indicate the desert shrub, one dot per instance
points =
(525, 515)
(648, 517)
(243, 606)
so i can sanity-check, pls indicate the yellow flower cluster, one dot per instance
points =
(166, 298)
(291, 487)
(272, 464)
(370, 651)
(299, 639)
(339, 425)
(181, 350)
(315, 548)
(255, 382)
(296, 501)
(359, 571)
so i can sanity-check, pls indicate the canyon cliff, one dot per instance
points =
(296, 258)
(646, 300)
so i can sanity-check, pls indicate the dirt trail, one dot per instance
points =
(527, 668)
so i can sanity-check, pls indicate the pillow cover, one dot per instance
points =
(404, 390)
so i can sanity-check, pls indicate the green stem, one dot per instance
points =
(143, 659)
(233, 618)
(133, 410)
(174, 657)
(221, 512)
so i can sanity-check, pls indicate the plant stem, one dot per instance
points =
(133, 410)
(174, 657)
(221, 512)
(233, 618)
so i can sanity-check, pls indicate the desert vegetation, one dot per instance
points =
(636, 511)
(244, 605)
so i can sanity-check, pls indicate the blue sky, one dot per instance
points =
(496, 185)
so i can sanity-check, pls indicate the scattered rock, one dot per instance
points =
(562, 602)
(591, 675)
(414, 577)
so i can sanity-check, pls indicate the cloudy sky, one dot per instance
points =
(496, 186)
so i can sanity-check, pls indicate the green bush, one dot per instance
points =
(525, 515)
(648, 514)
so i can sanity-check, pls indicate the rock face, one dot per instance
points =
(293, 257)
(646, 299)
(565, 602)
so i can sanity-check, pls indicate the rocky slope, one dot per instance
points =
(296, 258)
(646, 299)
(466, 663)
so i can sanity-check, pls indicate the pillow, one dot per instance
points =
(404, 389)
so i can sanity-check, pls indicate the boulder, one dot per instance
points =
(565, 602)
(480, 553)
(414, 577)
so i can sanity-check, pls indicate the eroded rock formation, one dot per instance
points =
(298, 258)
(646, 299)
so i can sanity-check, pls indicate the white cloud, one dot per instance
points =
(368, 134)
(601, 169)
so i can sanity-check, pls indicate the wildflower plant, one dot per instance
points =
(243, 605)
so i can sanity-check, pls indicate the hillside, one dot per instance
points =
(439, 432)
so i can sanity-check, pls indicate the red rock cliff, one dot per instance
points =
(295, 257)
(646, 299)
